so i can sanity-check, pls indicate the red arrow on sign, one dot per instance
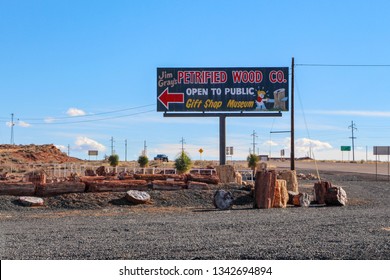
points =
(168, 97)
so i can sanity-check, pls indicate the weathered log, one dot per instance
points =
(336, 196)
(291, 178)
(208, 179)
(223, 200)
(301, 200)
(116, 185)
(264, 189)
(320, 190)
(149, 177)
(101, 171)
(31, 201)
(226, 173)
(192, 185)
(8, 188)
(59, 188)
(86, 179)
(281, 194)
(137, 197)
(165, 185)
(89, 172)
(36, 177)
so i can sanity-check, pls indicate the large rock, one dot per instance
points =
(137, 197)
(223, 200)
(291, 178)
(226, 174)
(264, 194)
(320, 190)
(281, 194)
(336, 196)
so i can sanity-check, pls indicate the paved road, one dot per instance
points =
(381, 168)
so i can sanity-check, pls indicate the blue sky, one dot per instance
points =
(80, 72)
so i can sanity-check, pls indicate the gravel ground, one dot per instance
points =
(185, 225)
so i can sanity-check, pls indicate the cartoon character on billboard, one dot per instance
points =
(260, 105)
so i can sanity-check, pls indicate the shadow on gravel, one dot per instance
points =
(121, 202)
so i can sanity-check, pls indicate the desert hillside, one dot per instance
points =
(25, 154)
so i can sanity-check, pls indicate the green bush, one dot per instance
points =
(113, 160)
(143, 161)
(252, 160)
(183, 163)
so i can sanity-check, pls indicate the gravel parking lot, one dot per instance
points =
(185, 225)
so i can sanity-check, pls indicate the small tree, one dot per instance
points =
(252, 160)
(113, 160)
(143, 161)
(183, 163)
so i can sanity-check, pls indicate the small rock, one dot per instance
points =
(223, 199)
(31, 201)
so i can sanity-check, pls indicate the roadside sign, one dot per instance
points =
(381, 150)
(345, 148)
(200, 150)
(93, 152)
(229, 151)
(222, 89)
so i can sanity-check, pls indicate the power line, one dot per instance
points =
(94, 114)
(341, 65)
(93, 120)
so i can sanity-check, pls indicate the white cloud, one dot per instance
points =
(74, 112)
(19, 123)
(270, 143)
(23, 124)
(84, 144)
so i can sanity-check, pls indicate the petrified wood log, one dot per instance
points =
(223, 200)
(116, 185)
(264, 189)
(137, 197)
(165, 185)
(336, 196)
(8, 188)
(59, 188)
(320, 190)
(281, 194)
(291, 178)
(301, 200)
(208, 179)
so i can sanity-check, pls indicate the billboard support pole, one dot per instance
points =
(292, 157)
(222, 139)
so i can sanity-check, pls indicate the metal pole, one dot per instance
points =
(222, 140)
(292, 156)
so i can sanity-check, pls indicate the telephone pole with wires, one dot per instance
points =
(12, 142)
(182, 141)
(254, 136)
(353, 127)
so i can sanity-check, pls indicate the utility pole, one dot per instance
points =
(292, 143)
(125, 149)
(112, 145)
(68, 149)
(353, 127)
(12, 142)
(144, 152)
(254, 135)
(182, 141)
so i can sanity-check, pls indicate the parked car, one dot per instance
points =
(161, 157)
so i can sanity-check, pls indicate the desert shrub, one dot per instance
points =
(183, 163)
(252, 160)
(113, 160)
(143, 161)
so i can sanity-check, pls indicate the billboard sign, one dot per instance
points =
(222, 89)
(381, 150)
(93, 152)
(345, 148)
